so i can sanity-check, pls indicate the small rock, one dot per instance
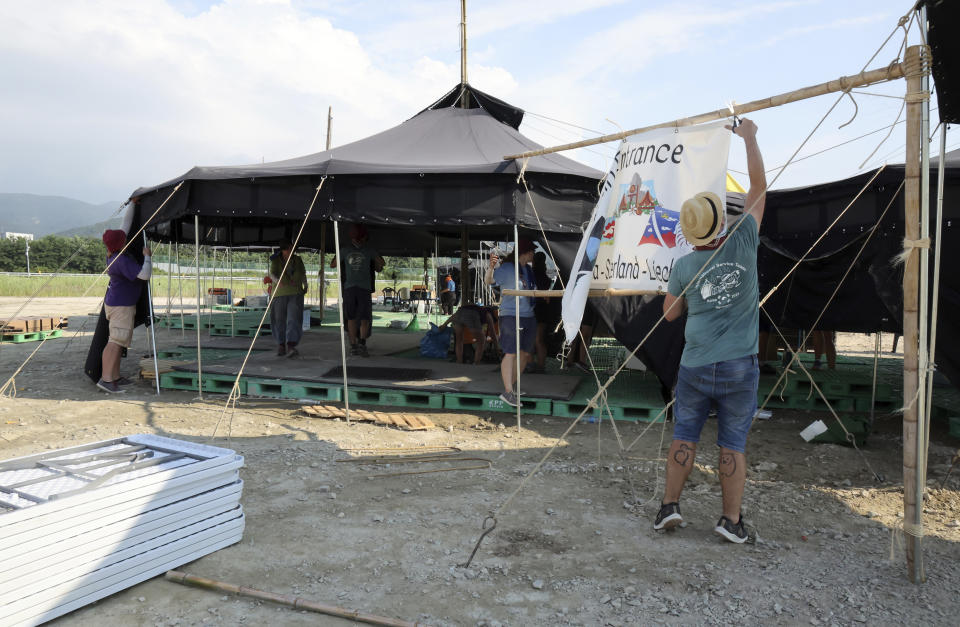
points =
(323, 488)
(549, 512)
(954, 524)
(405, 491)
(537, 584)
(141, 599)
(378, 518)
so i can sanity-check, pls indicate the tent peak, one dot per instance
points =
(475, 99)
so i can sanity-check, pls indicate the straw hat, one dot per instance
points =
(702, 218)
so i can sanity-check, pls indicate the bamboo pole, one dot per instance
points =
(594, 293)
(844, 83)
(283, 599)
(912, 514)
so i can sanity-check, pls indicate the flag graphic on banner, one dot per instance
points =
(634, 235)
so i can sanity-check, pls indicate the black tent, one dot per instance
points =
(431, 181)
(439, 171)
(871, 297)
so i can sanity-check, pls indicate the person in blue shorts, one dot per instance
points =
(717, 284)
(511, 308)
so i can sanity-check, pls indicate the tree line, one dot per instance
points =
(47, 253)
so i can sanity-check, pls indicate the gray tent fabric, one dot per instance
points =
(468, 97)
(444, 167)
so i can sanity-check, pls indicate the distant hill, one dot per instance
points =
(44, 215)
(93, 230)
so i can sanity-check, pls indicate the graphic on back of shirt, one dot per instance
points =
(355, 260)
(720, 284)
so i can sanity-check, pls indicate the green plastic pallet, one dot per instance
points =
(485, 402)
(396, 398)
(35, 336)
(312, 391)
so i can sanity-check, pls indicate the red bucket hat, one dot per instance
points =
(114, 240)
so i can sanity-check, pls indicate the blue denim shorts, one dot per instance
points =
(731, 387)
(508, 334)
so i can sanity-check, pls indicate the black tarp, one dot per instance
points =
(870, 299)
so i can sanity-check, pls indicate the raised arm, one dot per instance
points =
(757, 194)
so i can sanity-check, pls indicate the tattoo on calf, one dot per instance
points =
(684, 454)
(728, 464)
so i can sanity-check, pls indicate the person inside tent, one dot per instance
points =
(120, 305)
(288, 278)
(515, 264)
(718, 366)
(360, 261)
(448, 295)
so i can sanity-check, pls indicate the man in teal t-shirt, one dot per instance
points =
(359, 262)
(717, 284)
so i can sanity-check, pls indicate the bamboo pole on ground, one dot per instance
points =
(844, 83)
(283, 599)
(912, 495)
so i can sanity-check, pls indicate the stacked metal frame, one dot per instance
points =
(82, 523)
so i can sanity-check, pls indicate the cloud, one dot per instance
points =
(154, 91)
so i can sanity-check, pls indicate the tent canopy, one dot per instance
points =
(442, 168)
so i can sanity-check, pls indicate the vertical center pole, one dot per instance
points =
(322, 280)
(463, 45)
(516, 314)
(436, 253)
(912, 496)
(153, 325)
(464, 264)
(180, 281)
(343, 341)
(196, 249)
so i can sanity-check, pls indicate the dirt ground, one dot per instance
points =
(575, 546)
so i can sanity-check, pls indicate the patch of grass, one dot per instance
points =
(61, 286)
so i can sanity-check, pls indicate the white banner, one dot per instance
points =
(634, 236)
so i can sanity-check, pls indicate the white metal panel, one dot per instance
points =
(34, 611)
(99, 542)
(136, 500)
(79, 571)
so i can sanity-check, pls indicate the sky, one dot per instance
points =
(103, 96)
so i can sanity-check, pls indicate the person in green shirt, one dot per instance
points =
(286, 308)
(359, 262)
(716, 284)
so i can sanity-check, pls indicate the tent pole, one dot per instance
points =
(343, 342)
(233, 313)
(912, 474)
(873, 389)
(436, 252)
(180, 282)
(923, 370)
(322, 282)
(169, 279)
(516, 313)
(153, 325)
(464, 262)
(196, 249)
(936, 270)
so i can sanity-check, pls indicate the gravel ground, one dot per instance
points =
(576, 545)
